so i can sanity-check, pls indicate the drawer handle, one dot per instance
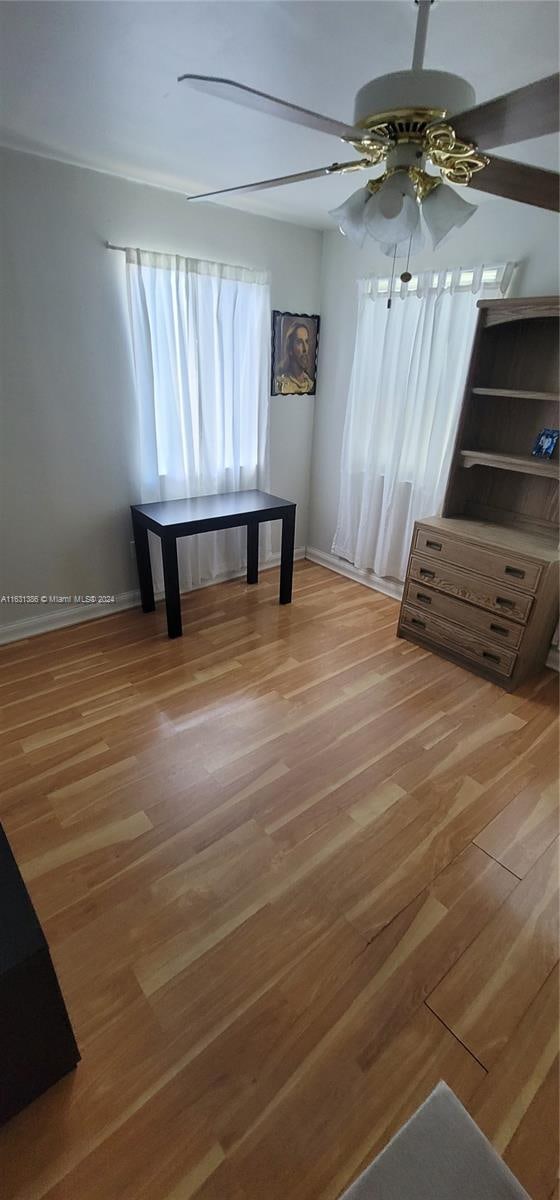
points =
(495, 658)
(433, 545)
(423, 598)
(417, 621)
(516, 572)
(427, 574)
(500, 629)
(501, 600)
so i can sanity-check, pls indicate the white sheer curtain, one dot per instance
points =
(406, 387)
(200, 339)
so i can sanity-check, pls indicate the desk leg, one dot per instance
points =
(142, 548)
(171, 582)
(253, 552)
(287, 558)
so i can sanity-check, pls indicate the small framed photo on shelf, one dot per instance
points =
(546, 443)
(295, 342)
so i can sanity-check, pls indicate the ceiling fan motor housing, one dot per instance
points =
(409, 111)
(403, 98)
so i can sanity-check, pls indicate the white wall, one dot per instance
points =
(68, 443)
(500, 231)
(68, 438)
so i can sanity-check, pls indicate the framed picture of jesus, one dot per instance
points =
(295, 342)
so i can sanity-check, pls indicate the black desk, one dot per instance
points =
(37, 1045)
(171, 519)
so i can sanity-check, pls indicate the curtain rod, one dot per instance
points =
(125, 249)
(167, 254)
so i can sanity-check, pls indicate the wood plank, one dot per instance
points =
(75, 848)
(522, 831)
(516, 1105)
(162, 1148)
(486, 994)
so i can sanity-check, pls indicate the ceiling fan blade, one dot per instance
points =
(518, 181)
(227, 89)
(335, 168)
(527, 112)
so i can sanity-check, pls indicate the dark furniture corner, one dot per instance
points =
(171, 519)
(37, 1044)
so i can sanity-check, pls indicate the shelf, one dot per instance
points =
(524, 464)
(512, 394)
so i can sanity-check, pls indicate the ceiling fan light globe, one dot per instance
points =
(392, 214)
(391, 202)
(350, 216)
(406, 249)
(443, 211)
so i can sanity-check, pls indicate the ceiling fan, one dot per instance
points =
(409, 121)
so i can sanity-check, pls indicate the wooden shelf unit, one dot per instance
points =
(482, 579)
(510, 395)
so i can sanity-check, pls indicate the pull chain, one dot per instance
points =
(406, 276)
(392, 277)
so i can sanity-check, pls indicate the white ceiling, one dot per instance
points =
(95, 83)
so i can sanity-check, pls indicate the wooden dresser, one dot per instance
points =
(482, 580)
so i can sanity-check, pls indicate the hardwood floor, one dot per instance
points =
(293, 871)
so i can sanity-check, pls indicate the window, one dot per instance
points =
(200, 339)
(484, 279)
(406, 387)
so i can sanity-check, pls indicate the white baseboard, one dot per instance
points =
(67, 614)
(74, 614)
(390, 587)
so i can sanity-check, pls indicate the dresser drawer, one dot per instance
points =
(515, 571)
(472, 587)
(496, 629)
(461, 641)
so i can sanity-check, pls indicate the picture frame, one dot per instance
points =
(546, 443)
(295, 346)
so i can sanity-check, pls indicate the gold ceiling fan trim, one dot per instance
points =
(361, 164)
(457, 160)
(374, 152)
(400, 125)
(423, 183)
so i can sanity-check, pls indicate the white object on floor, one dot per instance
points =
(440, 1154)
